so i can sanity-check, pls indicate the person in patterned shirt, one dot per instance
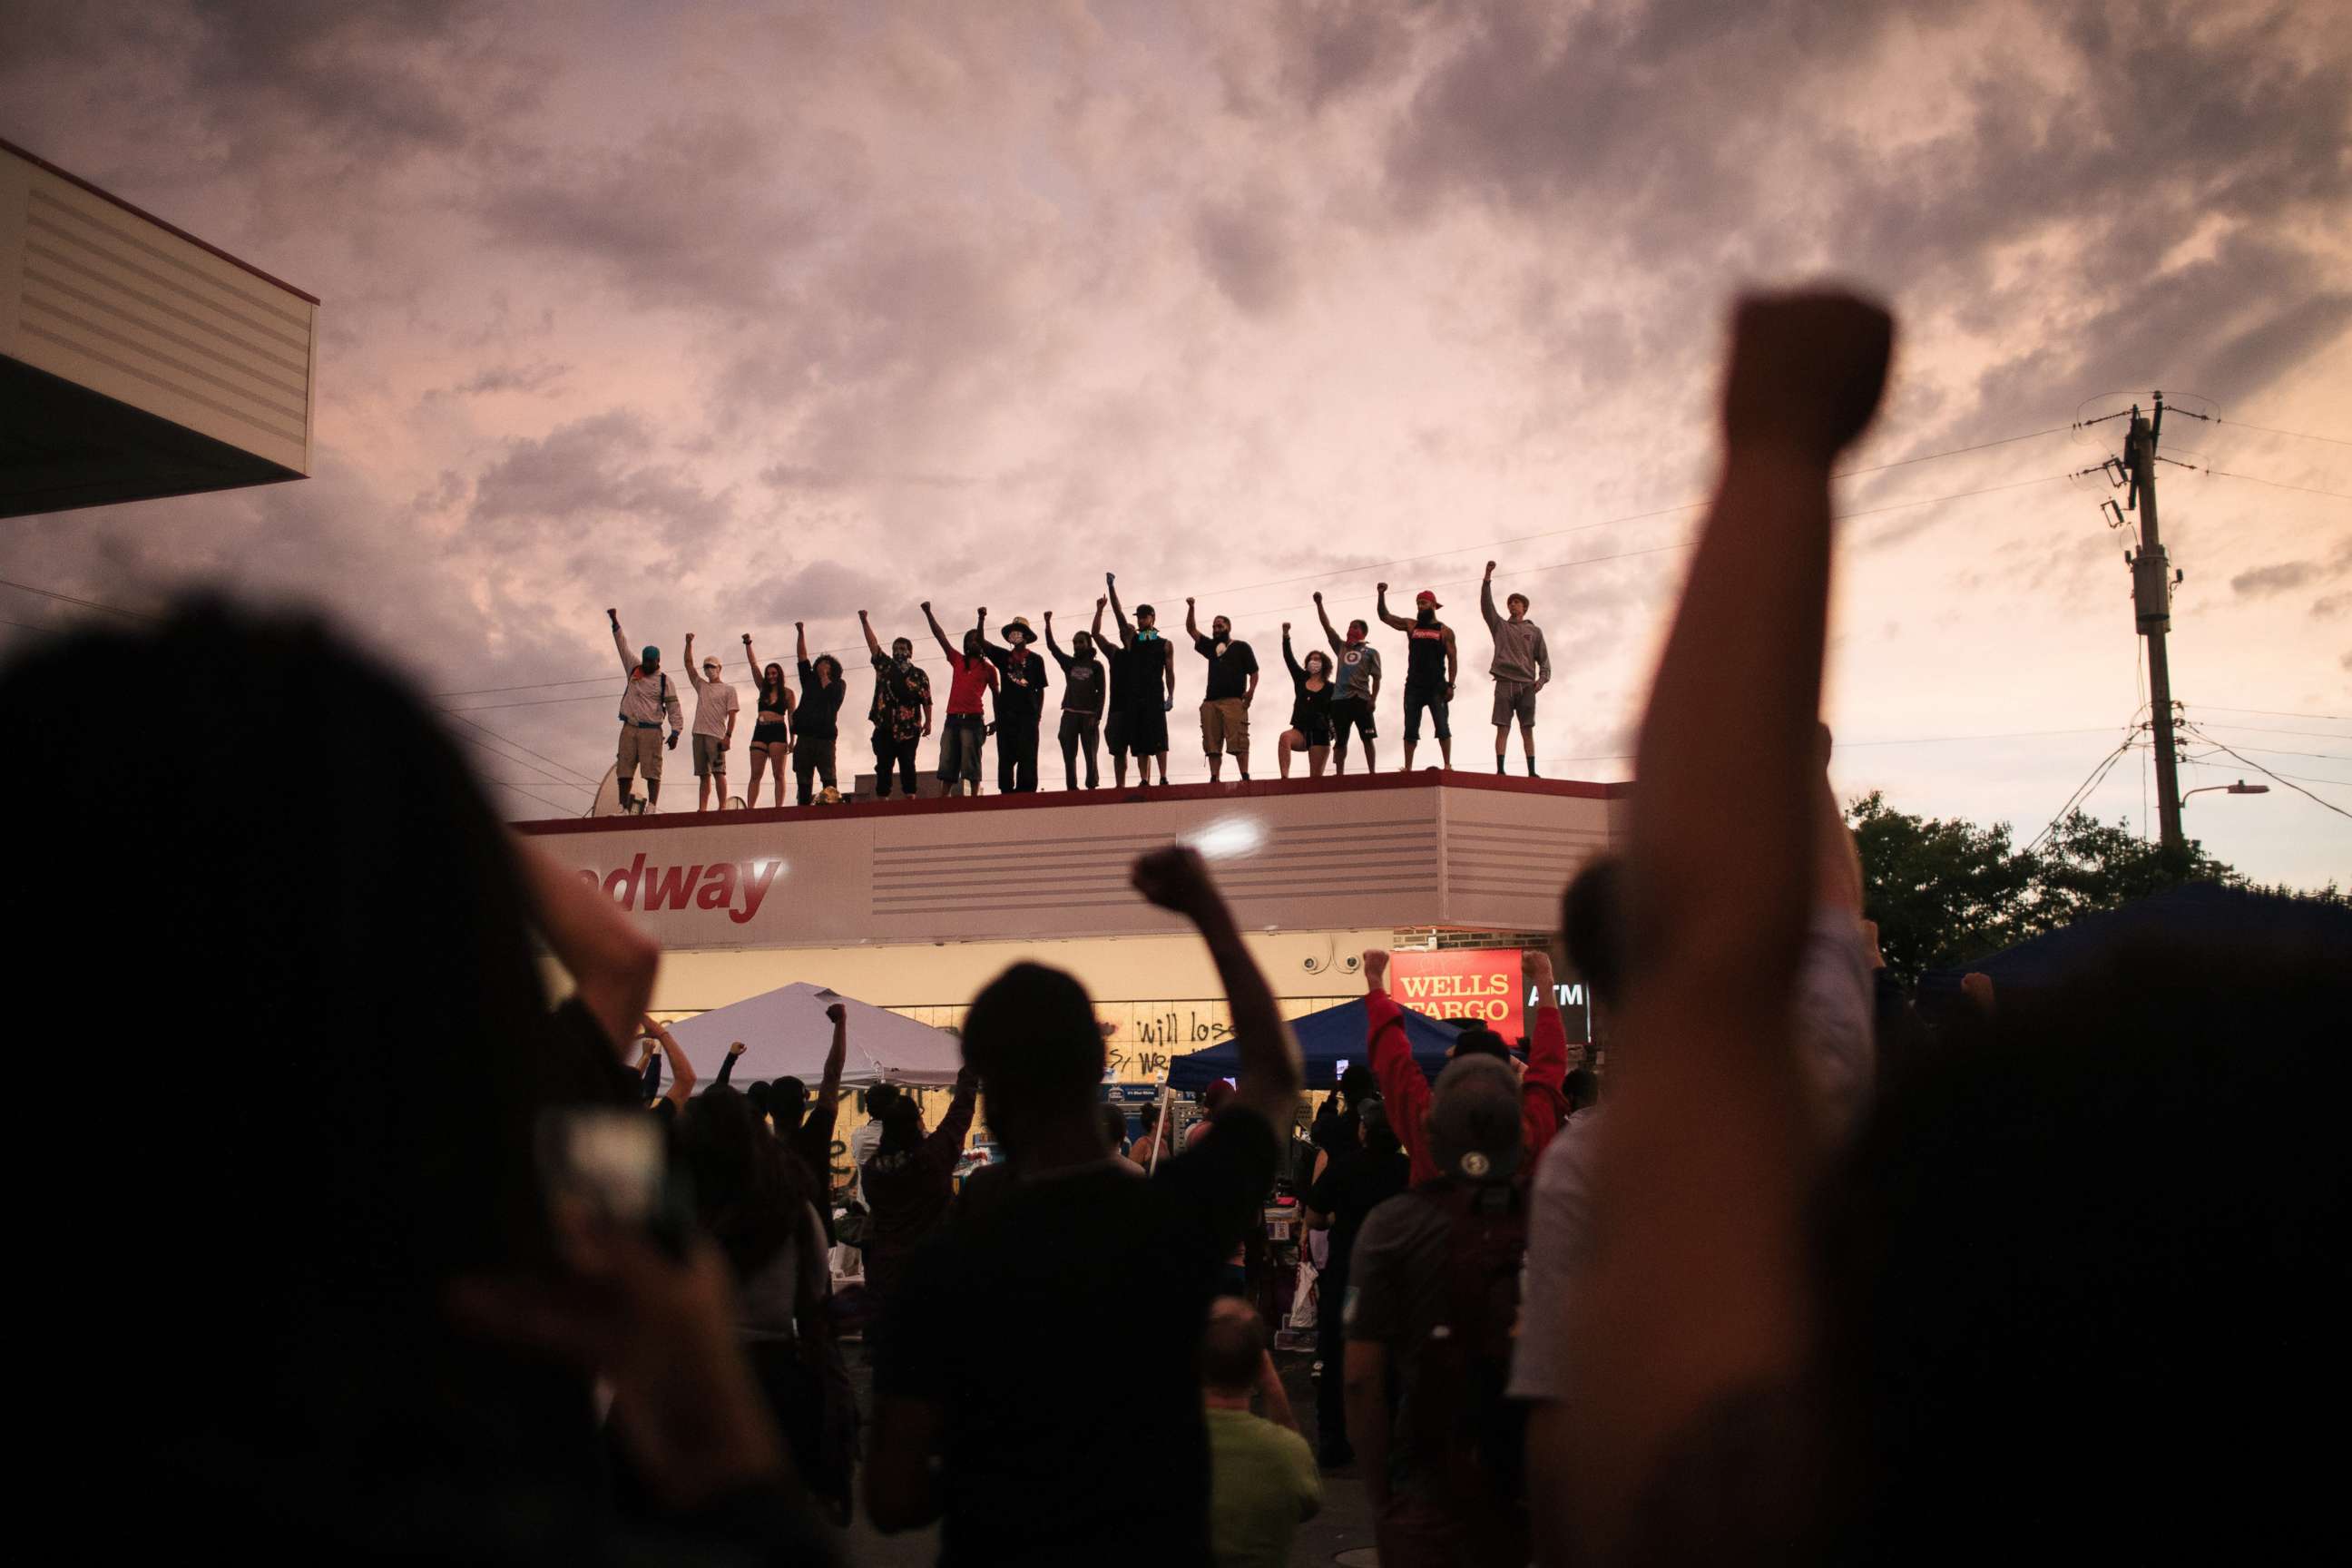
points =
(902, 709)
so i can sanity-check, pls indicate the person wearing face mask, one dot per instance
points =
(1151, 686)
(1359, 679)
(1431, 663)
(772, 726)
(1085, 685)
(1233, 686)
(647, 697)
(1310, 709)
(716, 703)
(902, 709)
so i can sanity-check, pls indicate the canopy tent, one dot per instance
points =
(1327, 1039)
(785, 1033)
(2197, 913)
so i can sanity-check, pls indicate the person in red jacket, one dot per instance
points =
(1542, 1105)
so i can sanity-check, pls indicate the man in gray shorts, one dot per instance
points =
(714, 705)
(1522, 668)
(645, 700)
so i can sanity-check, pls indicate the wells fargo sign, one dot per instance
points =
(1480, 983)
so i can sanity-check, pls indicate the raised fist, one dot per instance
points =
(797, 625)
(613, 616)
(1376, 965)
(927, 607)
(1049, 617)
(1318, 595)
(1110, 576)
(1285, 628)
(1101, 602)
(1807, 372)
(1490, 569)
(837, 1012)
(1190, 601)
(1174, 879)
(1383, 588)
(747, 637)
(736, 1049)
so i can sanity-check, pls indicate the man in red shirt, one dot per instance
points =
(967, 727)
(1542, 1105)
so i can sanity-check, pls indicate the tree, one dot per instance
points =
(1944, 893)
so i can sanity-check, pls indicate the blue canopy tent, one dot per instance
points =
(2194, 912)
(1327, 1038)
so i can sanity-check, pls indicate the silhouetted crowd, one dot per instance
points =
(397, 1247)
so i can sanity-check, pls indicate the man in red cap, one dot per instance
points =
(1431, 664)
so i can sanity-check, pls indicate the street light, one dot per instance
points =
(2241, 788)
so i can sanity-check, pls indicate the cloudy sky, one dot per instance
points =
(737, 314)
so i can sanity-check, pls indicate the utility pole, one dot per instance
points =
(2153, 580)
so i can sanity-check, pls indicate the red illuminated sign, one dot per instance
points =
(1480, 984)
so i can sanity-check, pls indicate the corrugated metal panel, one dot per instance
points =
(125, 307)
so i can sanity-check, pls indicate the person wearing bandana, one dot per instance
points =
(1149, 687)
(1431, 662)
(1084, 687)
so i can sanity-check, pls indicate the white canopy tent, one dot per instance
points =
(785, 1033)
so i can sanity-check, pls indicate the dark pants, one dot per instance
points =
(1431, 698)
(1016, 756)
(891, 756)
(1080, 730)
(959, 747)
(812, 754)
(1331, 1388)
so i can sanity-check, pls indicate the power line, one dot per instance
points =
(2273, 713)
(2083, 790)
(76, 599)
(2274, 752)
(577, 777)
(2306, 778)
(2266, 730)
(2257, 478)
(2267, 773)
(2298, 435)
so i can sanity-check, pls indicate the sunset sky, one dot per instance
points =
(737, 314)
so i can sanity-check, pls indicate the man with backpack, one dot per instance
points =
(1432, 1298)
(648, 697)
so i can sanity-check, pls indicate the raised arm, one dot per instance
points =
(873, 643)
(944, 1144)
(1330, 634)
(1381, 608)
(1699, 1291)
(828, 1088)
(986, 646)
(1191, 625)
(1054, 648)
(1271, 1077)
(727, 1068)
(693, 674)
(954, 658)
(1110, 587)
(1487, 599)
(1404, 1086)
(681, 1071)
(1099, 601)
(751, 657)
(800, 642)
(611, 962)
(621, 643)
(1297, 673)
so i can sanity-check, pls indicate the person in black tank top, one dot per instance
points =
(1431, 663)
(771, 729)
(1310, 709)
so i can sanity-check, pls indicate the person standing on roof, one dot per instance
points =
(1522, 668)
(643, 700)
(1431, 665)
(1020, 704)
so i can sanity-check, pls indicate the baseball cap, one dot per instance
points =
(1427, 597)
(649, 655)
(1474, 1120)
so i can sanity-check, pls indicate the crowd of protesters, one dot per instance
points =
(997, 692)
(422, 1260)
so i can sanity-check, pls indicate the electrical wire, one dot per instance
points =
(2298, 435)
(2267, 773)
(76, 599)
(2275, 713)
(2082, 791)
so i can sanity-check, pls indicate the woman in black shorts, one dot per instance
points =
(1310, 709)
(772, 728)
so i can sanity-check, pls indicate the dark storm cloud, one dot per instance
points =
(586, 472)
(2264, 581)
(1244, 244)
